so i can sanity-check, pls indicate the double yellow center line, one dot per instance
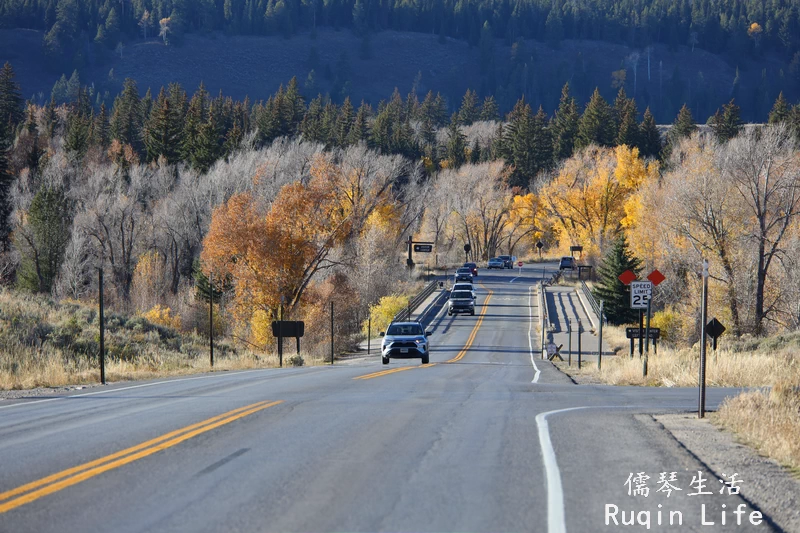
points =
(457, 358)
(393, 371)
(36, 489)
(474, 333)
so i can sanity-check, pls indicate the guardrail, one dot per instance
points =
(416, 301)
(592, 302)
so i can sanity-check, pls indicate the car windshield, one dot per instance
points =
(463, 270)
(504, 257)
(462, 287)
(470, 265)
(404, 329)
(460, 294)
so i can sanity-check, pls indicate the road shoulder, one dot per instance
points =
(767, 485)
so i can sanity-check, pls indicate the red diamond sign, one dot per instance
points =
(627, 277)
(656, 277)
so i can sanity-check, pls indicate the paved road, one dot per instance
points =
(468, 443)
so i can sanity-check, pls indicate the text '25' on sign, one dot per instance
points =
(641, 292)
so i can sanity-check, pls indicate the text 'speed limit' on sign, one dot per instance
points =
(641, 292)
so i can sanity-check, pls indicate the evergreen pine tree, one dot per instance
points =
(360, 130)
(439, 110)
(489, 111)
(50, 119)
(597, 123)
(469, 111)
(649, 137)
(10, 99)
(610, 290)
(565, 126)
(620, 108)
(44, 238)
(344, 123)
(293, 108)
(475, 153)
(628, 133)
(684, 125)
(163, 133)
(30, 129)
(101, 132)
(147, 103)
(78, 135)
(455, 150)
(233, 139)
(727, 123)
(196, 117)
(780, 111)
(541, 143)
(329, 115)
(208, 147)
(311, 126)
(126, 116)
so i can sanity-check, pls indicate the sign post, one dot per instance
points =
(519, 264)
(701, 408)
(539, 246)
(641, 291)
(600, 339)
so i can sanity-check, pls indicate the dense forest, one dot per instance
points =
(736, 27)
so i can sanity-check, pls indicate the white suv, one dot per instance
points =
(405, 340)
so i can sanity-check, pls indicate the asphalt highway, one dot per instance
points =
(486, 438)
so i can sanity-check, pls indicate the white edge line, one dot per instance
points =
(107, 391)
(555, 492)
(530, 327)
(512, 279)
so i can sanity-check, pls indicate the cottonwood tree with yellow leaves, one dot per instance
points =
(277, 251)
(589, 201)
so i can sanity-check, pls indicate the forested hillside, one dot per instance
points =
(663, 53)
(737, 27)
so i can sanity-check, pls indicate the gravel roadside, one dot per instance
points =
(767, 485)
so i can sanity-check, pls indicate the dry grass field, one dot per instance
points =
(48, 344)
(767, 419)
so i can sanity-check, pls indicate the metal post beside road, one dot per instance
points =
(211, 318)
(569, 342)
(331, 332)
(701, 408)
(600, 339)
(102, 332)
(280, 333)
(369, 332)
(579, 343)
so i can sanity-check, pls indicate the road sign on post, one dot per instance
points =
(641, 292)
(714, 329)
(627, 277)
(423, 248)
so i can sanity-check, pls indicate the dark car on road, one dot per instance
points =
(567, 263)
(461, 302)
(405, 340)
(473, 268)
(463, 274)
(508, 262)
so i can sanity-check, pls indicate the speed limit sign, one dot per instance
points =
(641, 292)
